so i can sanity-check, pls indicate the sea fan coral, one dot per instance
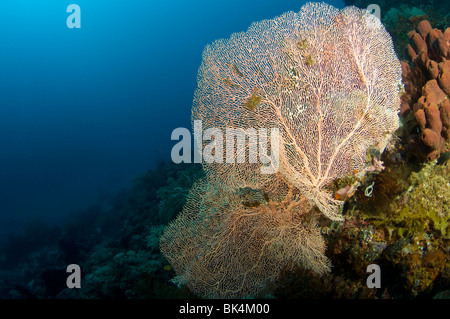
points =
(329, 112)
(329, 81)
(222, 247)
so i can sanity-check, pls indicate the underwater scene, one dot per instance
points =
(225, 150)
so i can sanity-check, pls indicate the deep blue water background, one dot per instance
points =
(83, 111)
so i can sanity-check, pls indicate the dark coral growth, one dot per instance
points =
(401, 16)
(425, 104)
(403, 227)
(115, 243)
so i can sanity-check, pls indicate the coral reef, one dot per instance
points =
(396, 215)
(403, 228)
(413, 229)
(406, 234)
(427, 89)
(401, 16)
(116, 244)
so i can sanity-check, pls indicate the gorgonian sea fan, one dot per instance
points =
(328, 79)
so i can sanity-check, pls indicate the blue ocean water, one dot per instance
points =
(84, 110)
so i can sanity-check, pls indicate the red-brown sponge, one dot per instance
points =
(427, 92)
